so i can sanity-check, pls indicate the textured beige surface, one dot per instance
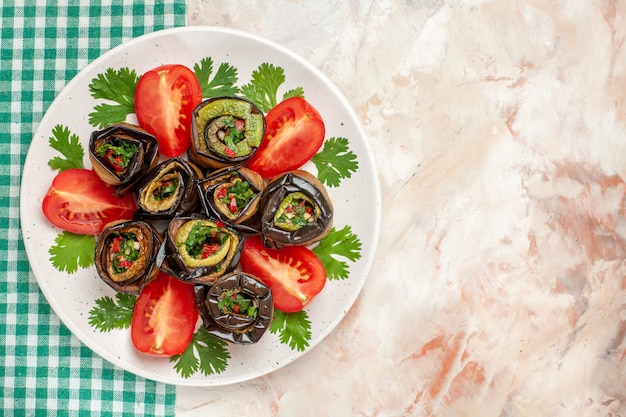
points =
(499, 288)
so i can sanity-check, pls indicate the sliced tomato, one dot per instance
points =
(165, 316)
(80, 202)
(164, 99)
(294, 273)
(294, 133)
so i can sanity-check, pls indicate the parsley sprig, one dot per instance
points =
(338, 243)
(222, 84)
(71, 251)
(109, 314)
(335, 161)
(68, 145)
(117, 86)
(262, 90)
(206, 353)
(294, 329)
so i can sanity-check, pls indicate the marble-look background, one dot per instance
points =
(499, 288)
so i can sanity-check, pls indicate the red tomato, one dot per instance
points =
(294, 273)
(294, 133)
(165, 316)
(80, 202)
(164, 100)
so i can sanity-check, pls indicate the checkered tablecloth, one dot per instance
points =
(44, 369)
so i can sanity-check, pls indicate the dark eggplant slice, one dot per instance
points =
(121, 153)
(168, 190)
(225, 131)
(237, 308)
(198, 249)
(296, 210)
(125, 255)
(232, 195)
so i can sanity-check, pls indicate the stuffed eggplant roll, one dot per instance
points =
(237, 308)
(296, 210)
(120, 154)
(169, 190)
(225, 131)
(125, 255)
(198, 249)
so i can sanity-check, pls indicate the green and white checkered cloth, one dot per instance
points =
(44, 369)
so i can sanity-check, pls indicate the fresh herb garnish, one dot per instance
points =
(341, 243)
(222, 84)
(212, 355)
(126, 252)
(72, 251)
(335, 162)
(117, 153)
(262, 90)
(109, 314)
(294, 329)
(232, 301)
(202, 237)
(234, 135)
(118, 86)
(69, 146)
(165, 190)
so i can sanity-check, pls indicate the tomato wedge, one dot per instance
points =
(294, 133)
(80, 202)
(164, 99)
(165, 316)
(294, 273)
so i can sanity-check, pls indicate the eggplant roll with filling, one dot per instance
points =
(198, 249)
(125, 255)
(225, 131)
(121, 153)
(232, 194)
(237, 308)
(296, 210)
(169, 190)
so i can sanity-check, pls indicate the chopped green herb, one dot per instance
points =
(335, 162)
(262, 90)
(294, 329)
(222, 84)
(232, 301)
(117, 153)
(72, 251)
(69, 146)
(166, 189)
(109, 314)
(117, 86)
(341, 243)
(206, 353)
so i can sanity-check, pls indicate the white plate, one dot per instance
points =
(357, 200)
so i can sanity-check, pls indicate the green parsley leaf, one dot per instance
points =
(118, 86)
(109, 314)
(222, 84)
(342, 243)
(212, 355)
(335, 162)
(294, 329)
(262, 90)
(71, 251)
(69, 146)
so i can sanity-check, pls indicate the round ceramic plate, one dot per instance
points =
(356, 199)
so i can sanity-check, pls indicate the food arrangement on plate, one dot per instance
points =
(197, 211)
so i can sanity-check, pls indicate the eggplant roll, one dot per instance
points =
(198, 249)
(237, 308)
(295, 210)
(125, 255)
(225, 131)
(121, 153)
(169, 190)
(232, 194)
